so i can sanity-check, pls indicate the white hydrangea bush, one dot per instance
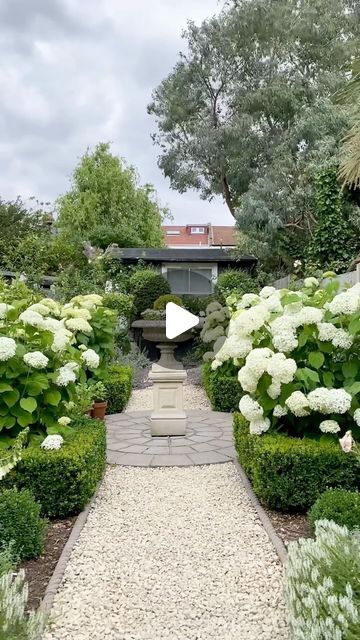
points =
(297, 354)
(322, 584)
(47, 350)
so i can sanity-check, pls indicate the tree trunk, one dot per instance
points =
(227, 196)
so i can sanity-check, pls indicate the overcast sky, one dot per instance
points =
(77, 72)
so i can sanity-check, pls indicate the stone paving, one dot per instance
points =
(208, 440)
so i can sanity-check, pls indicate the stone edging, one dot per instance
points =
(265, 520)
(57, 576)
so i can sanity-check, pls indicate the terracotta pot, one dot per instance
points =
(99, 410)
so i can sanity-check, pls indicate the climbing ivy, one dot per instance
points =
(334, 244)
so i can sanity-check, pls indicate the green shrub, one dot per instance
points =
(21, 524)
(223, 390)
(147, 285)
(118, 384)
(336, 504)
(64, 480)
(161, 302)
(291, 473)
(234, 280)
(322, 585)
(122, 303)
(197, 305)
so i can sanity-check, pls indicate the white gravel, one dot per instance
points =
(171, 554)
(194, 398)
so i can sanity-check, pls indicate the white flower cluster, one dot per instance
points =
(91, 358)
(329, 426)
(253, 412)
(52, 442)
(281, 369)
(64, 420)
(4, 309)
(66, 374)
(326, 400)
(339, 337)
(36, 359)
(78, 324)
(7, 348)
(298, 404)
(357, 417)
(346, 303)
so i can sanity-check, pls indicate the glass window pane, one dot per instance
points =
(200, 281)
(178, 280)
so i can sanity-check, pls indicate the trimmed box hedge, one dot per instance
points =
(289, 474)
(118, 384)
(64, 480)
(223, 391)
(21, 526)
(343, 507)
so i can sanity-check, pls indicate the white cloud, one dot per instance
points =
(76, 72)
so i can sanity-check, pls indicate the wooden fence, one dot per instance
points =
(345, 279)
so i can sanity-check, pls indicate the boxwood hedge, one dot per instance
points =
(223, 391)
(289, 474)
(63, 480)
(118, 385)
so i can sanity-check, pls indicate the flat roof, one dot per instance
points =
(183, 255)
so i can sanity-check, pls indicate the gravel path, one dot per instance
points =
(171, 554)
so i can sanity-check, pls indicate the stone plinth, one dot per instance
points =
(168, 417)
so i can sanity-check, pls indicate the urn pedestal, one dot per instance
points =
(168, 417)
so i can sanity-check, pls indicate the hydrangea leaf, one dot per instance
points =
(316, 359)
(28, 404)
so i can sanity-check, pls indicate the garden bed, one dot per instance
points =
(39, 571)
(289, 526)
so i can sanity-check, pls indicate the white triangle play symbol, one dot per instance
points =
(178, 320)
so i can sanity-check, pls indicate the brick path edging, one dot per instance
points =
(58, 574)
(265, 520)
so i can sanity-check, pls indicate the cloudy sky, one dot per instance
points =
(76, 72)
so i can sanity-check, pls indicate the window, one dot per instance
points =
(197, 230)
(193, 279)
(173, 232)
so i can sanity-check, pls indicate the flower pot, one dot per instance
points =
(99, 410)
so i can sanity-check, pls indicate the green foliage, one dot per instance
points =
(222, 388)
(335, 243)
(118, 384)
(327, 570)
(16, 623)
(122, 303)
(289, 474)
(146, 286)
(343, 507)
(64, 480)
(21, 524)
(17, 224)
(234, 281)
(230, 123)
(106, 205)
(197, 306)
(137, 360)
(161, 302)
(34, 392)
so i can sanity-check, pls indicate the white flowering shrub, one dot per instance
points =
(297, 354)
(46, 351)
(213, 332)
(322, 584)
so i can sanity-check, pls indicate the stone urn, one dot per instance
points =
(168, 375)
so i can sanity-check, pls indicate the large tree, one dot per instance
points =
(225, 111)
(106, 204)
(18, 222)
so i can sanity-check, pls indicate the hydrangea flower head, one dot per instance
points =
(36, 359)
(52, 442)
(7, 348)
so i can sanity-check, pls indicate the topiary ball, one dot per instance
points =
(20, 524)
(343, 507)
(161, 302)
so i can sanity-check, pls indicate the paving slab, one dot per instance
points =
(208, 440)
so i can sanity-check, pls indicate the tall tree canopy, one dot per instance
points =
(246, 112)
(106, 205)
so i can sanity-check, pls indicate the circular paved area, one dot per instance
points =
(208, 440)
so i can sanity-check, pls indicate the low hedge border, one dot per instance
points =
(118, 385)
(343, 507)
(289, 474)
(63, 480)
(224, 392)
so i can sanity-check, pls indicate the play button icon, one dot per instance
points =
(178, 320)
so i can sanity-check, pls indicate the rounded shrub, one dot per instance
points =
(21, 524)
(118, 385)
(234, 280)
(146, 286)
(343, 507)
(161, 302)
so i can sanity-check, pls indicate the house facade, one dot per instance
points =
(200, 236)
